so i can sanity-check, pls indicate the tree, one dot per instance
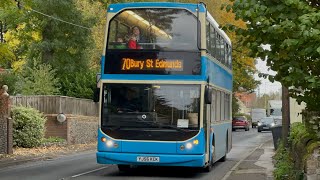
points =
(38, 80)
(10, 79)
(54, 32)
(291, 29)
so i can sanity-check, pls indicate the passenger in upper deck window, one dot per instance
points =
(120, 44)
(133, 44)
(139, 37)
(135, 38)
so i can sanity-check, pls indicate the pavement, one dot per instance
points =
(256, 165)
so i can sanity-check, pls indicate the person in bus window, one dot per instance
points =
(133, 44)
(135, 38)
(137, 33)
(131, 101)
(120, 44)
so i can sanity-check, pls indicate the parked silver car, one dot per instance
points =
(265, 124)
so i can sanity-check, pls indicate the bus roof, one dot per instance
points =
(114, 8)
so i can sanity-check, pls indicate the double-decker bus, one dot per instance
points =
(167, 101)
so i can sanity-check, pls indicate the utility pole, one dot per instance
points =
(285, 115)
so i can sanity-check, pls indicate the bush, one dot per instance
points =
(28, 127)
(290, 162)
(284, 166)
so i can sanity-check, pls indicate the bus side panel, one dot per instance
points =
(221, 130)
(218, 75)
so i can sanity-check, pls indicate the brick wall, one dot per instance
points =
(82, 129)
(55, 128)
(76, 129)
(5, 123)
(313, 165)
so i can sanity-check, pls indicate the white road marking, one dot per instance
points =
(88, 172)
(236, 165)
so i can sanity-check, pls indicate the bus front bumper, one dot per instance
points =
(163, 159)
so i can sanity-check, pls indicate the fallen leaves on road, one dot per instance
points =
(48, 151)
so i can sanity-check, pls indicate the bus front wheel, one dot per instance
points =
(209, 166)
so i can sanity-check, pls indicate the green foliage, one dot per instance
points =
(284, 165)
(299, 134)
(10, 79)
(50, 141)
(235, 105)
(61, 46)
(6, 56)
(80, 84)
(290, 162)
(28, 127)
(38, 80)
(292, 30)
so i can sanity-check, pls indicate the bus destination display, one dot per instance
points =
(130, 64)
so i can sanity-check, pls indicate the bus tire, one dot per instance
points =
(124, 168)
(208, 168)
(223, 159)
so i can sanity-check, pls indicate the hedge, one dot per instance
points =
(28, 127)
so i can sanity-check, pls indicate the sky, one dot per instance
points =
(266, 86)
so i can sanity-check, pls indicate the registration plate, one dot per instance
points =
(265, 128)
(148, 159)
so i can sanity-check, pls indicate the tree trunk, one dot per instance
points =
(285, 115)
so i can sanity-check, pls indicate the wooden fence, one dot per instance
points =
(58, 104)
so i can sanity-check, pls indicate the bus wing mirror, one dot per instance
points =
(208, 95)
(96, 95)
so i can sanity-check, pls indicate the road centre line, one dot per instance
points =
(225, 177)
(88, 172)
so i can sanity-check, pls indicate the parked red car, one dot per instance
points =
(240, 122)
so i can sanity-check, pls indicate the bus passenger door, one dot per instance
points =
(208, 131)
(207, 123)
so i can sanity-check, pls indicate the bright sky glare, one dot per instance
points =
(266, 86)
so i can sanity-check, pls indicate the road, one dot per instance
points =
(244, 161)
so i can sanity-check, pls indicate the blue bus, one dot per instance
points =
(165, 87)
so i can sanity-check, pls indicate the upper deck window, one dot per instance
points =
(156, 28)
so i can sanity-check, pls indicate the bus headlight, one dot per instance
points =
(109, 143)
(273, 124)
(188, 145)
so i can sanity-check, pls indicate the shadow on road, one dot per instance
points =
(150, 171)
